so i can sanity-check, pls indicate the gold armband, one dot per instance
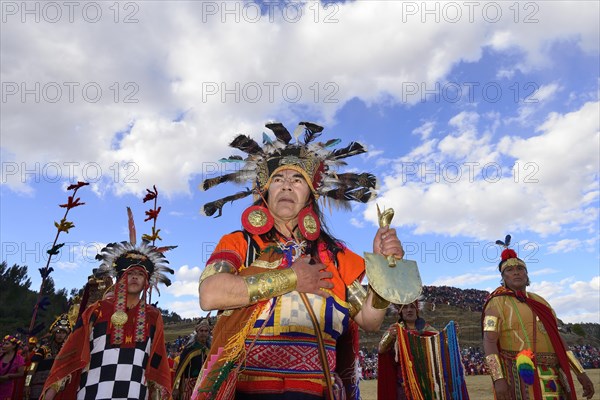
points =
(355, 296)
(215, 268)
(377, 301)
(270, 284)
(386, 340)
(574, 362)
(490, 323)
(492, 361)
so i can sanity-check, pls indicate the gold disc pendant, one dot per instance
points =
(119, 318)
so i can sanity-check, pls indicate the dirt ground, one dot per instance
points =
(480, 387)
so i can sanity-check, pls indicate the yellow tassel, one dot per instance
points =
(236, 345)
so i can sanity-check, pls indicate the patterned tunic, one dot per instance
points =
(282, 352)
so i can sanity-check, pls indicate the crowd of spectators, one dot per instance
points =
(588, 356)
(467, 299)
(473, 361)
(367, 364)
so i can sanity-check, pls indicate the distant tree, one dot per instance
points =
(169, 316)
(578, 330)
(17, 300)
(14, 276)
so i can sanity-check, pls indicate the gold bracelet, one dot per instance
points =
(215, 268)
(270, 284)
(492, 361)
(377, 301)
(355, 296)
(386, 341)
(574, 362)
(490, 323)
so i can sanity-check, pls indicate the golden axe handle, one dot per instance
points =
(385, 220)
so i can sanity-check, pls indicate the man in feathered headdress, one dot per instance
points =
(288, 288)
(44, 356)
(524, 352)
(117, 349)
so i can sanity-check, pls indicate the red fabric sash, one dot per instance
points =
(387, 375)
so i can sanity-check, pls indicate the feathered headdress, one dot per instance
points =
(61, 322)
(316, 161)
(508, 256)
(117, 257)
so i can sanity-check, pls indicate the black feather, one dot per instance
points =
(232, 158)
(211, 182)
(311, 131)
(507, 240)
(352, 149)
(362, 195)
(355, 180)
(210, 208)
(246, 144)
(344, 194)
(280, 132)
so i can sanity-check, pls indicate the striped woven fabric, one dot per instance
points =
(431, 365)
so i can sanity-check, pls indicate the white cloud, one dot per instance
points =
(564, 246)
(185, 282)
(78, 255)
(186, 309)
(357, 223)
(573, 301)
(425, 130)
(164, 65)
(483, 197)
(543, 271)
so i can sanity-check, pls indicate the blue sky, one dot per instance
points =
(481, 119)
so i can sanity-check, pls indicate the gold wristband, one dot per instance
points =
(490, 323)
(386, 340)
(492, 361)
(270, 284)
(574, 362)
(355, 296)
(377, 301)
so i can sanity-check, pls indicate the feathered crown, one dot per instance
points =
(61, 322)
(316, 161)
(117, 257)
(509, 256)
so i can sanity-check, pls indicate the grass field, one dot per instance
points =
(480, 387)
